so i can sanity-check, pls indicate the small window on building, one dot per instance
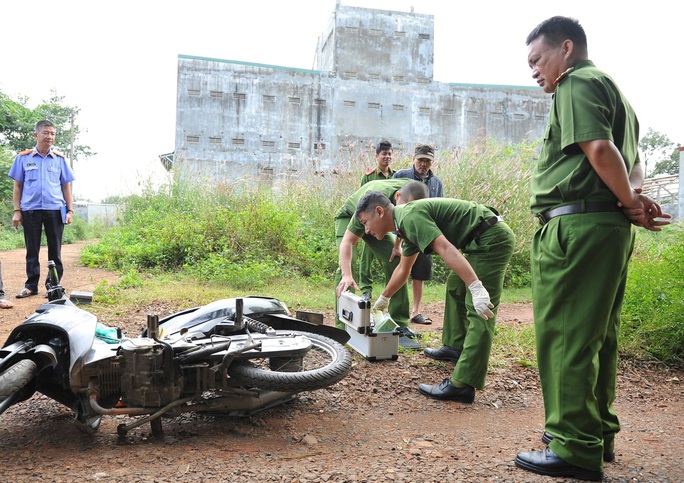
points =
(267, 170)
(375, 32)
(294, 100)
(399, 78)
(349, 75)
(399, 33)
(293, 145)
(216, 94)
(215, 139)
(472, 114)
(318, 146)
(192, 139)
(448, 112)
(497, 115)
(238, 141)
(373, 76)
(268, 144)
(240, 96)
(424, 36)
(193, 92)
(423, 80)
(373, 105)
(518, 116)
(319, 102)
(269, 98)
(424, 110)
(397, 107)
(539, 117)
(350, 103)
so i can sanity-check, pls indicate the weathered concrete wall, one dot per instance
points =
(375, 82)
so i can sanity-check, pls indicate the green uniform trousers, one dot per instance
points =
(382, 250)
(464, 330)
(365, 279)
(579, 272)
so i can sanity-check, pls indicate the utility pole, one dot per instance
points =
(71, 149)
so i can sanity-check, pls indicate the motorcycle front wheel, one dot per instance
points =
(326, 363)
(14, 379)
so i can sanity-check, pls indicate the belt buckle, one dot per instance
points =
(542, 221)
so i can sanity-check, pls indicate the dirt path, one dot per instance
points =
(373, 426)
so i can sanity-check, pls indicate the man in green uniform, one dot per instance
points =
(588, 168)
(381, 171)
(348, 232)
(472, 240)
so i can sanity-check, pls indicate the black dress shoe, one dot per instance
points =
(448, 392)
(607, 457)
(444, 353)
(406, 332)
(550, 464)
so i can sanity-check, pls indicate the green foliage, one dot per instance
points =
(653, 310)
(17, 124)
(497, 175)
(6, 184)
(249, 233)
(669, 165)
(654, 147)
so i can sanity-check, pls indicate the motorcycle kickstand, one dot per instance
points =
(154, 419)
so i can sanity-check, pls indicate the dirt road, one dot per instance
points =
(373, 426)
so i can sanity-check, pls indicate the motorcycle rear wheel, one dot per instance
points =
(326, 363)
(16, 377)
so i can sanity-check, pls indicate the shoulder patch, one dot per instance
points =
(370, 171)
(57, 153)
(25, 152)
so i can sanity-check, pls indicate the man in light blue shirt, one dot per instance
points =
(42, 198)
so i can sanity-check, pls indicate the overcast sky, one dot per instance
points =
(117, 61)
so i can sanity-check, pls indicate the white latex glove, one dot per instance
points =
(381, 304)
(481, 300)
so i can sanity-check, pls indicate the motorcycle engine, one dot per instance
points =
(149, 377)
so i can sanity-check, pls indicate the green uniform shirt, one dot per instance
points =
(387, 187)
(420, 222)
(587, 105)
(375, 174)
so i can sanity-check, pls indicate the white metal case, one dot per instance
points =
(354, 311)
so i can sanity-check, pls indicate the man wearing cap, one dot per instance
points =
(423, 157)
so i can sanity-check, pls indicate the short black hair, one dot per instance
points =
(44, 123)
(383, 146)
(416, 190)
(370, 200)
(556, 30)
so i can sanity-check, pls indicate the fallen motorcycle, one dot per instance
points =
(235, 356)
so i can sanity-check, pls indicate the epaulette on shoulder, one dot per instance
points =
(57, 153)
(25, 152)
(370, 171)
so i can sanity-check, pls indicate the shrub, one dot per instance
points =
(653, 310)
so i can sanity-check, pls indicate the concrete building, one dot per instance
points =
(374, 81)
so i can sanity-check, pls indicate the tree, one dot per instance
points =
(669, 165)
(17, 123)
(654, 146)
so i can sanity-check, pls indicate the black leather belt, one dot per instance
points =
(545, 217)
(480, 229)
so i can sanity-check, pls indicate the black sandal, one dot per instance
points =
(419, 319)
(26, 293)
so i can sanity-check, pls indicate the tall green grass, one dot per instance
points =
(250, 232)
(653, 311)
